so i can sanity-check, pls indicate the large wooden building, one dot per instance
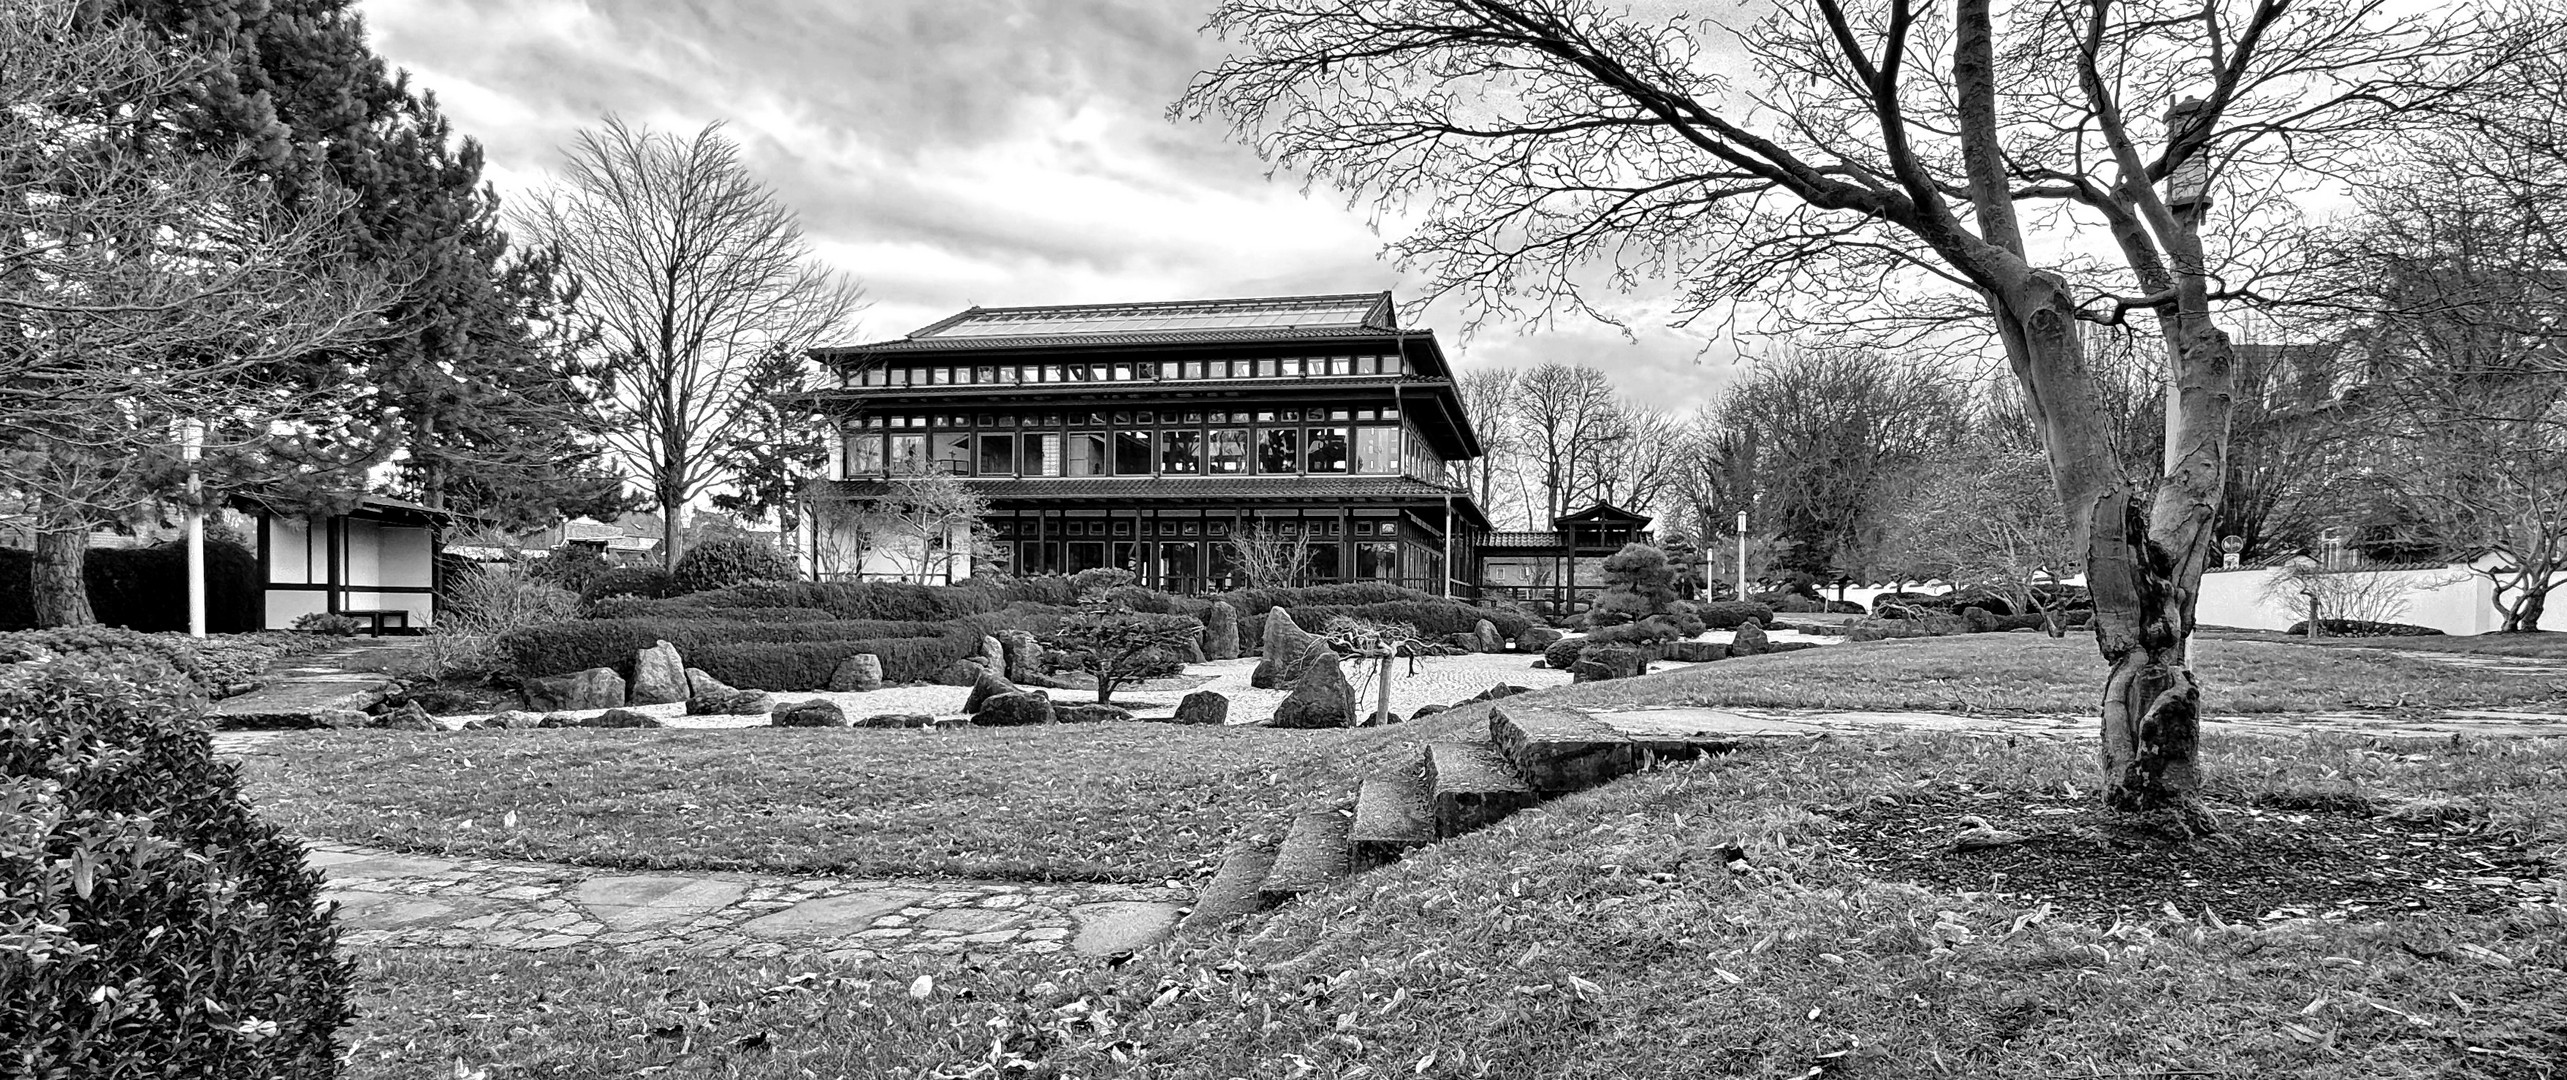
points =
(1147, 435)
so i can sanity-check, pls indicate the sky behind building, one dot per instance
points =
(959, 152)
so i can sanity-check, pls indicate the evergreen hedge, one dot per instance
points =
(561, 648)
(151, 923)
(145, 588)
(807, 665)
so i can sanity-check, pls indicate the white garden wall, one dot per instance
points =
(2451, 599)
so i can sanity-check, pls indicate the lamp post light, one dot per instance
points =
(1742, 555)
(191, 449)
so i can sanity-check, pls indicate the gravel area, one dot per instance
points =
(1437, 680)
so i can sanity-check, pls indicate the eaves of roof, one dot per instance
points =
(1127, 339)
(1242, 489)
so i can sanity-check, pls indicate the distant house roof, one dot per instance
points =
(1265, 318)
(1603, 513)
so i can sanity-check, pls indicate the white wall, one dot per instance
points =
(834, 554)
(2450, 599)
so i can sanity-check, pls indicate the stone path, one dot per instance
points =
(349, 676)
(391, 899)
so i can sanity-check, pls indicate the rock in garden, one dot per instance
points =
(1696, 652)
(659, 676)
(1221, 631)
(1024, 655)
(511, 720)
(409, 717)
(1750, 639)
(1597, 663)
(1383, 718)
(1536, 639)
(961, 673)
(557, 720)
(1203, 707)
(1015, 710)
(700, 683)
(595, 688)
(812, 713)
(1286, 643)
(1091, 713)
(1427, 710)
(730, 703)
(988, 686)
(1490, 639)
(1064, 680)
(1466, 642)
(340, 718)
(622, 718)
(896, 720)
(1321, 697)
(992, 655)
(857, 674)
(1501, 690)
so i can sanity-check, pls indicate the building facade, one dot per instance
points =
(1150, 437)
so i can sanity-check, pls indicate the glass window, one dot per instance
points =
(1323, 561)
(1132, 453)
(952, 451)
(1190, 369)
(1051, 373)
(1328, 450)
(1043, 454)
(985, 374)
(1184, 452)
(1229, 450)
(1377, 560)
(908, 454)
(1077, 372)
(1279, 450)
(864, 456)
(1341, 365)
(1085, 555)
(1269, 368)
(1122, 373)
(998, 455)
(1039, 557)
(1179, 566)
(1086, 454)
(1377, 450)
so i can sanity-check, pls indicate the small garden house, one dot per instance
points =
(375, 562)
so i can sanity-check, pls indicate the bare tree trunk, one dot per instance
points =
(672, 526)
(60, 584)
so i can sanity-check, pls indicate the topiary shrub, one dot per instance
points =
(731, 560)
(893, 600)
(1732, 614)
(155, 925)
(1638, 584)
(1434, 617)
(807, 665)
(1563, 653)
(561, 648)
(647, 582)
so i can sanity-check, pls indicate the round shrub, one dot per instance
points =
(1732, 614)
(647, 582)
(731, 560)
(157, 924)
(574, 568)
(1563, 653)
(2362, 628)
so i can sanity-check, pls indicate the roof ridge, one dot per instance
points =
(1373, 294)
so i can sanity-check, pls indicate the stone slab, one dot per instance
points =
(1392, 816)
(1232, 892)
(1120, 926)
(377, 867)
(972, 920)
(644, 902)
(1472, 785)
(1558, 751)
(1313, 856)
(836, 916)
(290, 703)
(365, 909)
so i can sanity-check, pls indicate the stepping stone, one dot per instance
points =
(1312, 857)
(1472, 786)
(1557, 751)
(1685, 731)
(1120, 926)
(363, 909)
(378, 867)
(1392, 815)
(837, 916)
(640, 903)
(1232, 891)
(972, 920)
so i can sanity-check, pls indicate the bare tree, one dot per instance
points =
(692, 270)
(1983, 514)
(923, 521)
(1632, 462)
(1489, 397)
(1269, 559)
(1563, 409)
(145, 292)
(1837, 433)
(1543, 144)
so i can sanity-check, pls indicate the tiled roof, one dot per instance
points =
(1268, 318)
(1520, 540)
(1064, 389)
(1137, 337)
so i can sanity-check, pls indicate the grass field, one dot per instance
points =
(2533, 645)
(1706, 920)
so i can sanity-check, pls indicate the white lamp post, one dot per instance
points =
(191, 448)
(1742, 555)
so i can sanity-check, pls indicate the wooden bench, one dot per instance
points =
(377, 617)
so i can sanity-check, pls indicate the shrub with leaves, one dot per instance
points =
(731, 560)
(1732, 614)
(151, 923)
(1563, 653)
(647, 582)
(573, 568)
(1638, 584)
(101, 645)
(560, 648)
(483, 603)
(1116, 644)
(326, 624)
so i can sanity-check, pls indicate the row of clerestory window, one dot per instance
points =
(1267, 367)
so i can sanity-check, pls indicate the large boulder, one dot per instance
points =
(1221, 631)
(595, 688)
(896, 720)
(698, 681)
(1597, 663)
(1383, 717)
(988, 686)
(1024, 655)
(1490, 639)
(992, 655)
(1695, 652)
(611, 718)
(340, 718)
(409, 717)
(1537, 639)
(730, 703)
(1750, 639)
(1203, 707)
(857, 674)
(1286, 643)
(1427, 710)
(1015, 710)
(659, 676)
(508, 721)
(1091, 713)
(812, 713)
(1463, 642)
(1321, 697)
(964, 672)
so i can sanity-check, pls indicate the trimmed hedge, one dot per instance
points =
(647, 582)
(731, 560)
(1434, 617)
(807, 665)
(136, 866)
(887, 600)
(134, 587)
(1251, 603)
(1732, 614)
(680, 607)
(2362, 628)
(560, 648)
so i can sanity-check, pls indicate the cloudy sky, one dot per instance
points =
(959, 152)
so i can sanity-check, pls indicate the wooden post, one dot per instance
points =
(1381, 713)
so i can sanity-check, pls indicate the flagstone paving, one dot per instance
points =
(390, 899)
